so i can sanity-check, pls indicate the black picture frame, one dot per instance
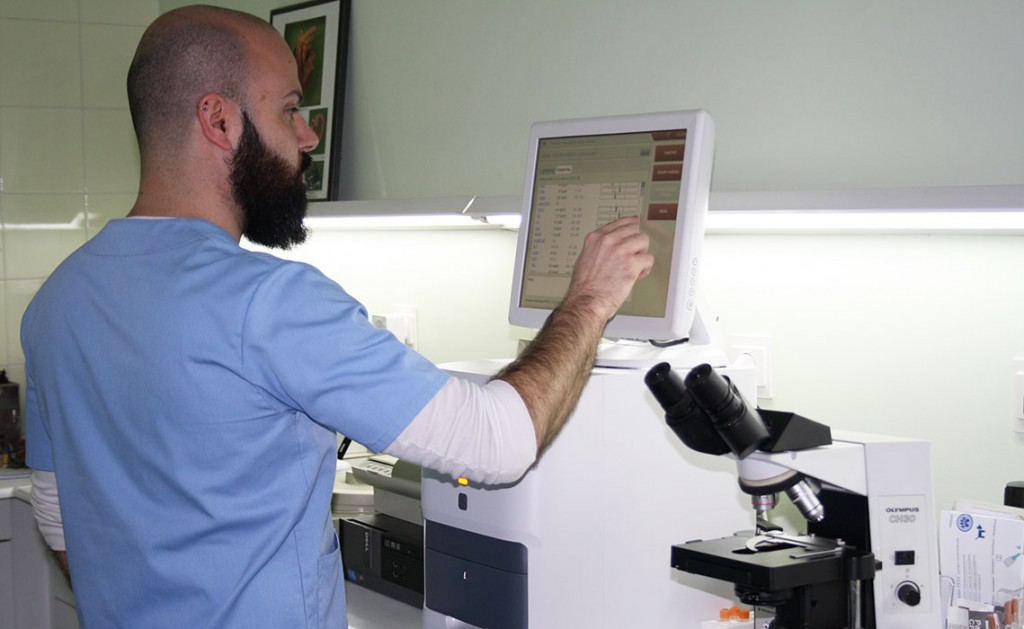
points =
(318, 34)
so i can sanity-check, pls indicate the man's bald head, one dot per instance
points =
(183, 55)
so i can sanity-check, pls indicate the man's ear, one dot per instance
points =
(220, 120)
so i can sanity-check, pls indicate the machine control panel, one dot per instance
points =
(901, 547)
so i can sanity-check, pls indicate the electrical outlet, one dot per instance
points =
(759, 347)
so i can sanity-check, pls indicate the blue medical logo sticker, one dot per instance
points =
(964, 522)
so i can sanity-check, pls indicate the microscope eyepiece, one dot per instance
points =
(665, 384)
(682, 414)
(741, 428)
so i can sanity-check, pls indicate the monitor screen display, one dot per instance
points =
(582, 174)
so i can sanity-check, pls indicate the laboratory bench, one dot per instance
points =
(13, 480)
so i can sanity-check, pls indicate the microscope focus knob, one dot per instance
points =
(909, 593)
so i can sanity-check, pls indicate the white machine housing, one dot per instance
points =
(597, 515)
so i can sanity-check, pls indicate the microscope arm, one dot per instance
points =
(839, 465)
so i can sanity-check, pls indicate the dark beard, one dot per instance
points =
(270, 193)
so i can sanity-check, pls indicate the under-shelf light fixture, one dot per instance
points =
(936, 210)
(494, 212)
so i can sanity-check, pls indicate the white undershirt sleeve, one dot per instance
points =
(483, 433)
(46, 507)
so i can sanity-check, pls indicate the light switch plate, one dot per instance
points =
(760, 349)
(1018, 394)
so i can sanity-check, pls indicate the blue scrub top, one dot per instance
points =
(187, 392)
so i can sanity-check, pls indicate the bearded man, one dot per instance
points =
(184, 394)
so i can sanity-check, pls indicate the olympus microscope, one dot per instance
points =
(869, 558)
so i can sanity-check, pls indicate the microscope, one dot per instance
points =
(868, 559)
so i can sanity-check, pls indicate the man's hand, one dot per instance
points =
(614, 258)
(552, 371)
(61, 557)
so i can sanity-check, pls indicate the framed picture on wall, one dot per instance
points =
(317, 33)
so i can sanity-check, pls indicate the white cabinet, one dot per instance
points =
(6, 573)
(29, 562)
(42, 597)
(33, 591)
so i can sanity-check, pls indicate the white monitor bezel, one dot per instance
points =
(693, 202)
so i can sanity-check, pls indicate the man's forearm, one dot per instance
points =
(554, 368)
(551, 373)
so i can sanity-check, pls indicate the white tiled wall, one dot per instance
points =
(68, 160)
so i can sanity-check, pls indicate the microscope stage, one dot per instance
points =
(780, 567)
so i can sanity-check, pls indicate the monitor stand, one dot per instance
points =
(705, 345)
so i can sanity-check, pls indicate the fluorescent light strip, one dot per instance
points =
(77, 222)
(851, 222)
(419, 221)
(948, 210)
(422, 221)
(439, 213)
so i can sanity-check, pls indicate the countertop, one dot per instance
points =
(369, 610)
(15, 483)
